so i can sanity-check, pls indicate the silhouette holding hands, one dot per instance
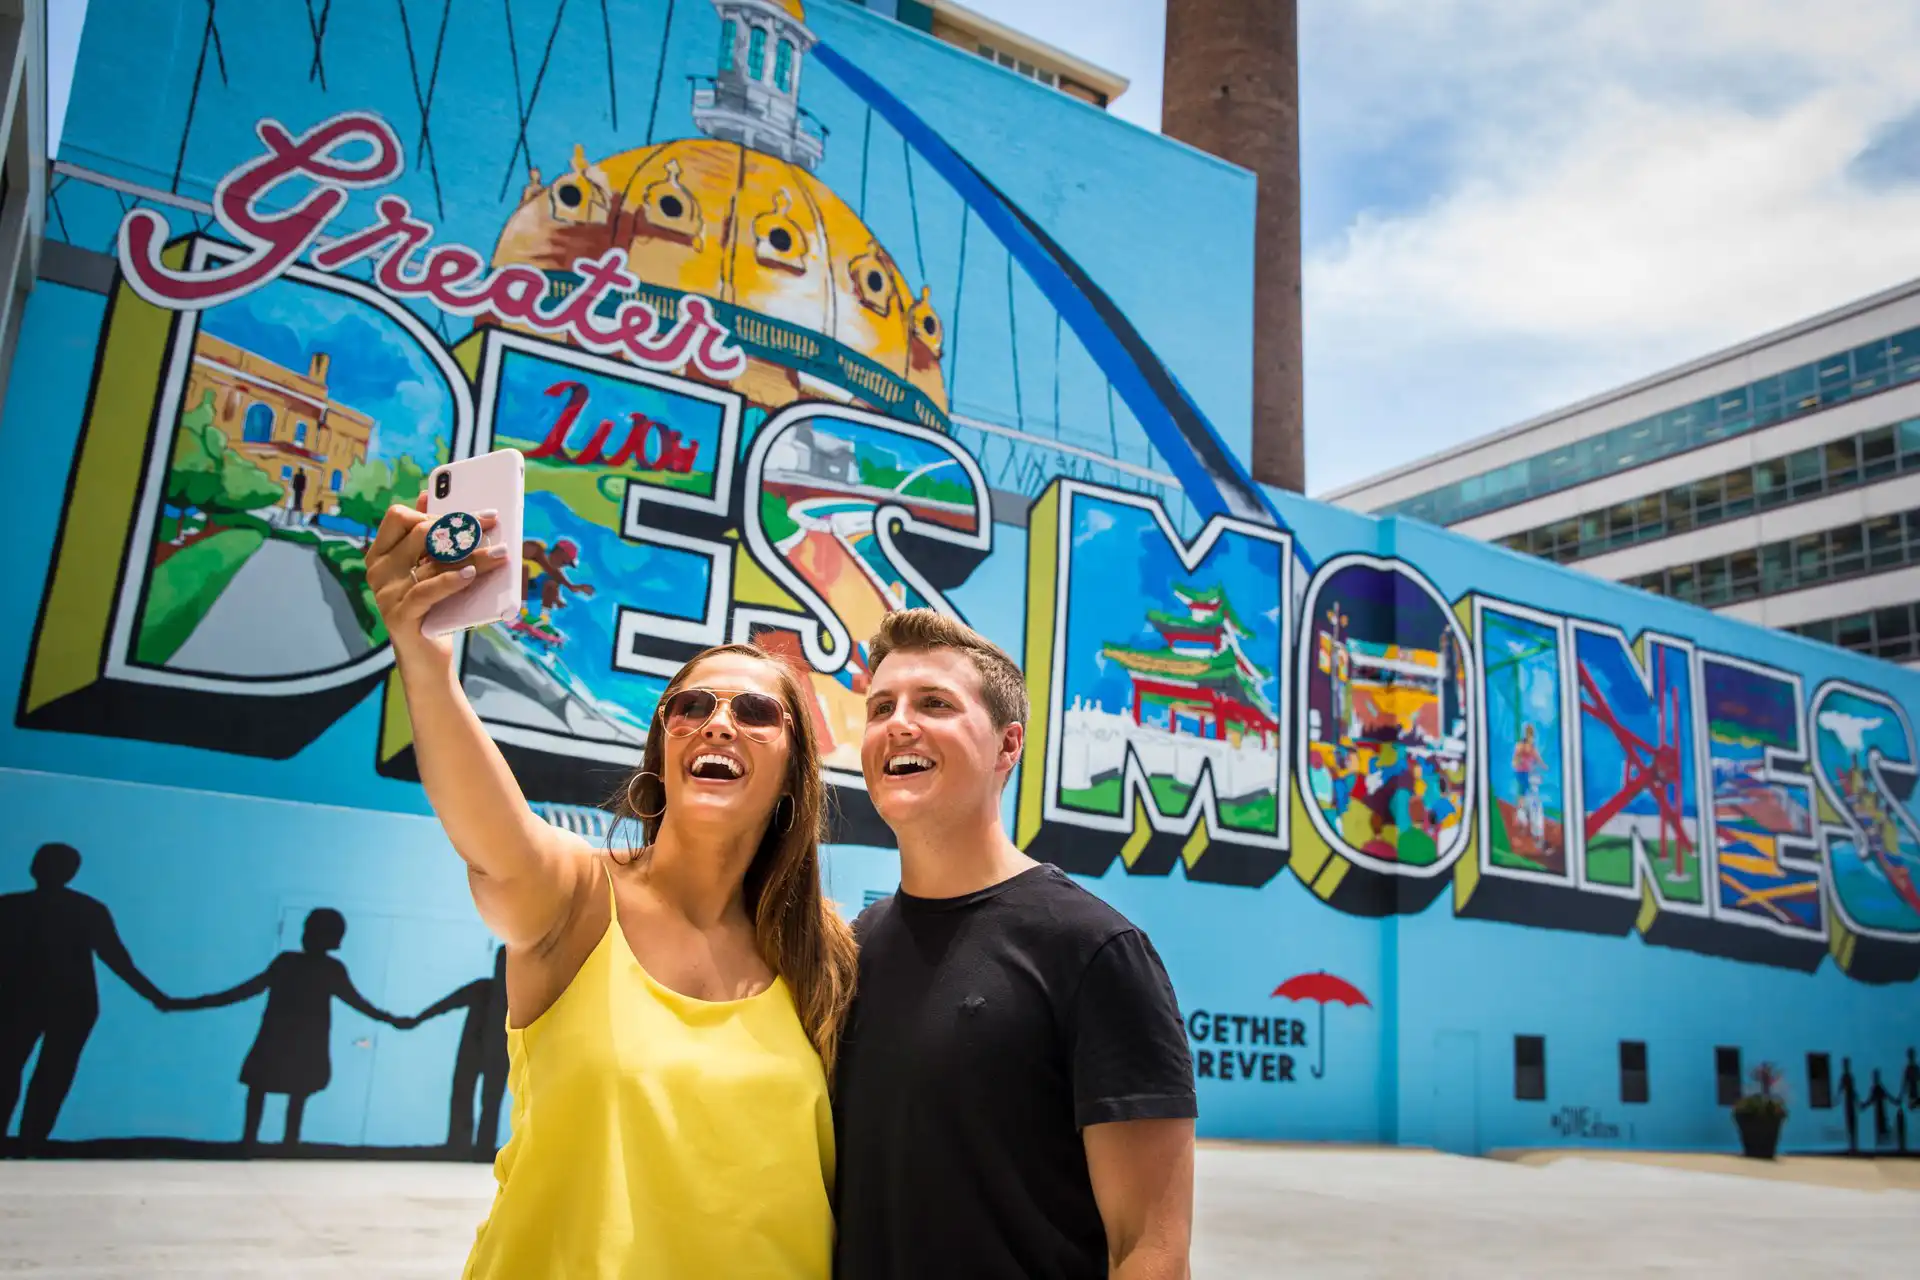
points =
(50, 936)
(291, 1053)
(1850, 1102)
(481, 1058)
(1878, 1098)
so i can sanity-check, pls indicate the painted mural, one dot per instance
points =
(799, 317)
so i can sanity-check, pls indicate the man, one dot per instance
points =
(49, 938)
(481, 1059)
(1014, 1093)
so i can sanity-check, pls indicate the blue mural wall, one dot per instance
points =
(800, 316)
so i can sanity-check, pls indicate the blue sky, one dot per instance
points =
(1602, 754)
(1523, 687)
(1510, 206)
(1507, 207)
(375, 367)
(1110, 536)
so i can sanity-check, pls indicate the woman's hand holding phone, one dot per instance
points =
(406, 582)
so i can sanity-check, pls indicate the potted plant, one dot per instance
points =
(1759, 1114)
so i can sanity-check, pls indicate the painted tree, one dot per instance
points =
(408, 481)
(363, 498)
(207, 476)
(194, 471)
(373, 486)
(243, 485)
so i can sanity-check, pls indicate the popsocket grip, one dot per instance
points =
(453, 537)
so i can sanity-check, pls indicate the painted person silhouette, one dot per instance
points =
(1910, 1083)
(1850, 1103)
(50, 936)
(481, 1058)
(291, 1053)
(1878, 1098)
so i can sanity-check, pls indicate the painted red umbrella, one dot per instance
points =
(1322, 988)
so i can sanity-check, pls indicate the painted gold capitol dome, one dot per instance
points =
(815, 300)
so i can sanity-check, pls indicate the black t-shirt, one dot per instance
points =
(986, 1032)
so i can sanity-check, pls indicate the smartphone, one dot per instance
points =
(491, 482)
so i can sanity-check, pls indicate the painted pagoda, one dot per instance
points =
(1201, 674)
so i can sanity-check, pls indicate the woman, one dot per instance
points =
(671, 1013)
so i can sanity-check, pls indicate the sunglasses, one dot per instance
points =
(759, 716)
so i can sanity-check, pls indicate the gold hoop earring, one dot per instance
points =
(634, 805)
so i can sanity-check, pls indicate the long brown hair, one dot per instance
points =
(799, 932)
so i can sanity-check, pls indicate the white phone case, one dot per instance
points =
(491, 482)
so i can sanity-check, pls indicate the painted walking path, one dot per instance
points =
(284, 613)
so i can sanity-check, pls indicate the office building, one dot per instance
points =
(998, 43)
(1777, 481)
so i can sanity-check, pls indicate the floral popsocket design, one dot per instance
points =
(453, 537)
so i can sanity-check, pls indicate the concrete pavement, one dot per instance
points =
(1260, 1211)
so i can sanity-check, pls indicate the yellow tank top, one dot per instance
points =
(658, 1136)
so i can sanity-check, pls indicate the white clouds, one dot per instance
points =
(1851, 730)
(1624, 185)
(1097, 523)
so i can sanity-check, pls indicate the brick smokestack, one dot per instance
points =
(1233, 90)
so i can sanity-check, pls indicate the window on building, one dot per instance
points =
(1743, 575)
(1809, 558)
(1854, 632)
(300, 434)
(1879, 453)
(1715, 582)
(1726, 1075)
(334, 482)
(1843, 463)
(729, 36)
(1530, 1068)
(783, 66)
(757, 54)
(258, 427)
(1633, 1071)
(1909, 433)
(1819, 1081)
(1049, 78)
(1776, 398)
(1886, 542)
(1893, 632)
(1681, 584)
(286, 472)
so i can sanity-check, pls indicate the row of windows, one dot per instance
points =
(1798, 477)
(1884, 542)
(1012, 63)
(1530, 1073)
(1892, 632)
(757, 55)
(1883, 363)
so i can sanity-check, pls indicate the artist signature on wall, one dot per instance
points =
(1586, 1122)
